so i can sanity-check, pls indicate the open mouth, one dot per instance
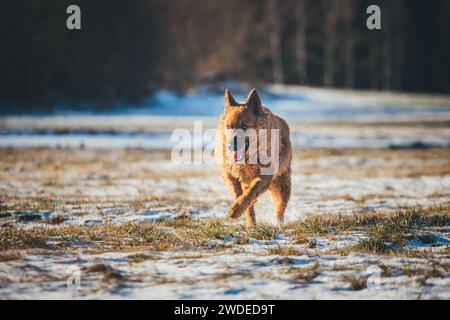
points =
(239, 154)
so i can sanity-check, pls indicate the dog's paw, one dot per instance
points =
(235, 211)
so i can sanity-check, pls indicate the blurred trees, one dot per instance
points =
(114, 55)
(125, 50)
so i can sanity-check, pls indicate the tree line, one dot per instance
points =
(127, 49)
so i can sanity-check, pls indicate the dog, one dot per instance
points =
(241, 156)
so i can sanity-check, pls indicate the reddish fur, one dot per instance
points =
(245, 180)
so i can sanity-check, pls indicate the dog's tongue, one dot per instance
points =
(238, 155)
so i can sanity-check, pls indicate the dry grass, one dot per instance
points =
(214, 229)
(5, 215)
(139, 258)
(178, 222)
(387, 232)
(6, 257)
(383, 239)
(228, 275)
(305, 274)
(19, 238)
(31, 204)
(110, 275)
(404, 218)
(435, 269)
(284, 251)
(118, 235)
(182, 232)
(27, 217)
(57, 219)
(356, 282)
(264, 232)
(137, 205)
(202, 231)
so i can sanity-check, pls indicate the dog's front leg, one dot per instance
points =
(257, 187)
(234, 185)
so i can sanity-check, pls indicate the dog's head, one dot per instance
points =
(237, 120)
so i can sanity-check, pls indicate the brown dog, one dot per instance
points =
(250, 134)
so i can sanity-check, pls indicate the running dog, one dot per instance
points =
(245, 130)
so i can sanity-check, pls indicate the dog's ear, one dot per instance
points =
(254, 102)
(229, 100)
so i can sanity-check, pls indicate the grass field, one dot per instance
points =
(91, 205)
(134, 225)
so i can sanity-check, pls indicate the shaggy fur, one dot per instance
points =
(244, 179)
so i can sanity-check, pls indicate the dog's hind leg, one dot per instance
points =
(281, 192)
(250, 217)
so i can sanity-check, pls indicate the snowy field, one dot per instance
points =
(96, 197)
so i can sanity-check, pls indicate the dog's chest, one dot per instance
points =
(245, 173)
